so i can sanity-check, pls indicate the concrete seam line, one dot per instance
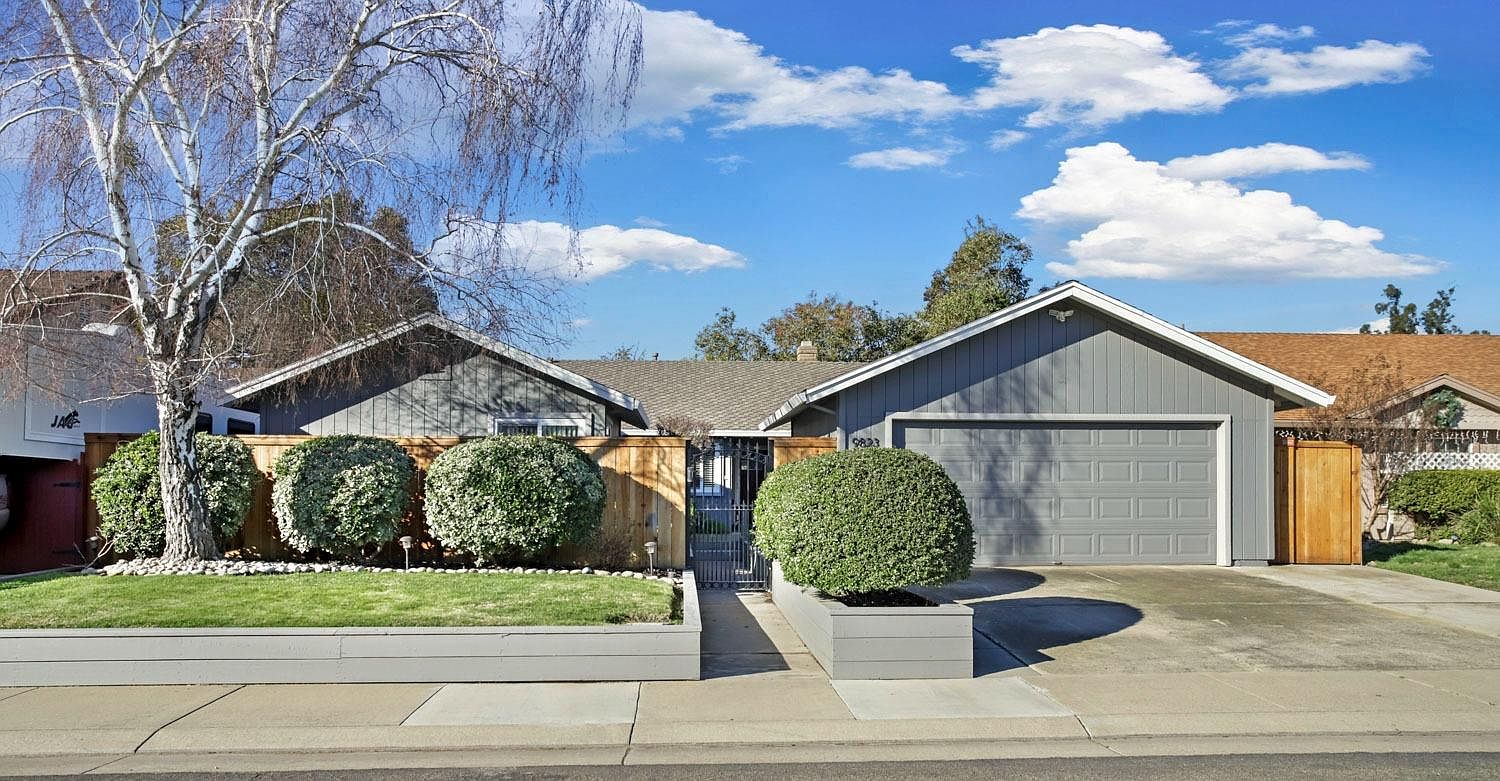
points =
(1398, 676)
(18, 692)
(424, 701)
(107, 763)
(1278, 706)
(635, 718)
(158, 730)
(1008, 652)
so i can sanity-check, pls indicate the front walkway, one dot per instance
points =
(763, 699)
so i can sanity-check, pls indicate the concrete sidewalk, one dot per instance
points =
(764, 699)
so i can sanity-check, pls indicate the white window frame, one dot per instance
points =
(536, 422)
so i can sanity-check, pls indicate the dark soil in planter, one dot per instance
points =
(893, 598)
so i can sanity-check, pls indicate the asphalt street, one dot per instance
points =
(1365, 767)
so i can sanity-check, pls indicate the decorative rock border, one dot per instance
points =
(247, 567)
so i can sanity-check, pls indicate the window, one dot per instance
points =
(237, 426)
(556, 426)
(204, 423)
(709, 471)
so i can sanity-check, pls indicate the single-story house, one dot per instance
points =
(431, 376)
(1081, 429)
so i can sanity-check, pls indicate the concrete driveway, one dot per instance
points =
(1138, 620)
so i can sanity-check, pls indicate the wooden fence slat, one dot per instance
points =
(789, 449)
(644, 480)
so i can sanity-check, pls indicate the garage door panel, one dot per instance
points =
(1077, 493)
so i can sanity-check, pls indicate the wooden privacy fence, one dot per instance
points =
(1319, 518)
(789, 449)
(645, 481)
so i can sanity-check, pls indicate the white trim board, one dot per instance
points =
(1287, 387)
(1223, 530)
(535, 363)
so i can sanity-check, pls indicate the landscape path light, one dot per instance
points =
(406, 542)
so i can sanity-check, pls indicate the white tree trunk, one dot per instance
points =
(189, 535)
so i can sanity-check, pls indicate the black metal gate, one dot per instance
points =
(723, 479)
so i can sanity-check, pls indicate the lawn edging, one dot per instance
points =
(863, 643)
(624, 652)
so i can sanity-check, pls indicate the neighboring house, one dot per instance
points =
(1423, 364)
(72, 375)
(1080, 429)
(432, 377)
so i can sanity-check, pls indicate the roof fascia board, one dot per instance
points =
(1291, 388)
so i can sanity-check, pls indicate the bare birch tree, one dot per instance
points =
(218, 115)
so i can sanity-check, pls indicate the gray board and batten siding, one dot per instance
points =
(1092, 368)
(462, 398)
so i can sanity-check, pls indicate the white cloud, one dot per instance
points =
(581, 322)
(1005, 139)
(553, 249)
(1272, 158)
(1379, 325)
(728, 164)
(1091, 75)
(1139, 221)
(1279, 72)
(1244, 34)
(693, 65)
(901, 158)
(649, 222)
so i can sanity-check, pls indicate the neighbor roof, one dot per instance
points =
(1289, 388)
(1471, 360)
(634, 411)
(729, 395)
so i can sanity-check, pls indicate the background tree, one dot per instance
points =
(986, 273)
(725, 340)
(228, 113)
(1437, 317)
(625, 352)
(1366, 413)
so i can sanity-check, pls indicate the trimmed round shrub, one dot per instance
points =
(341, 493)
(513, 497)
(127, 491)
(1435, 497)
(867, 520)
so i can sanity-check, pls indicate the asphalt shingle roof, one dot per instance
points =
(1327, 360)
(727, 394)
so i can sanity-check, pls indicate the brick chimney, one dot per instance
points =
(807, 351)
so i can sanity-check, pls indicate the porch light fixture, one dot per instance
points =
(651, 557)
(406, 542)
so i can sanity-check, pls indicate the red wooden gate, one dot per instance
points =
(46, 516)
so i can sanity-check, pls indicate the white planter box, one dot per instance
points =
(854, 643)
(629, 652)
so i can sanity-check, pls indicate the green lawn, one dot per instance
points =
(333, 599)
(1471, 565)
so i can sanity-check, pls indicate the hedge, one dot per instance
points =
(127, 492)
(341, 493)
(516, 497)
(867, 520)
(1436, 497)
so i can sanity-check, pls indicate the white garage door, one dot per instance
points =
(1068, 493)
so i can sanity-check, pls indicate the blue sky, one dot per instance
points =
(779, 148)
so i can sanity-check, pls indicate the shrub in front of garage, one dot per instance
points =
(848, 533)
(515, 498)
(863, 521)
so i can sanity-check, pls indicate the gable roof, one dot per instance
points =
(729, 395)
(1472, 360)
(633, 411)
(1286, 387)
